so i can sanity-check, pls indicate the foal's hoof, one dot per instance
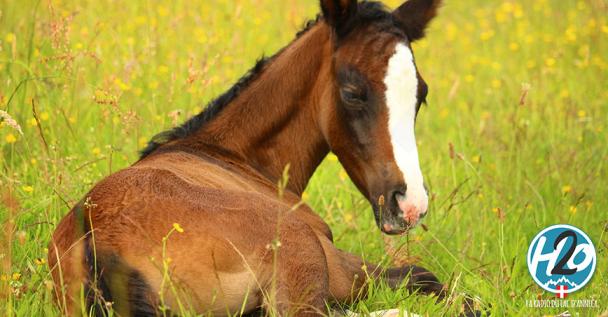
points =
(418, 279)
(422, 281)
(471, 311)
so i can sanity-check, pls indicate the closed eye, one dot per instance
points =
(354, 90)
(351, 95)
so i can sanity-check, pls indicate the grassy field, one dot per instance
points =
(514, 137)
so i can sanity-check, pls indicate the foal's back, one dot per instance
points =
(228, 215)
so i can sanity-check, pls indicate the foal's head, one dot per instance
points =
(374, 97)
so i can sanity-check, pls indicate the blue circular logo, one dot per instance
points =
(561, 259)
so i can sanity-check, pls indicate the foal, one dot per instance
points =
(347, 84)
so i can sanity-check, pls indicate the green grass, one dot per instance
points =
(105, 76)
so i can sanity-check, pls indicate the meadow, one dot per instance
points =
(514, 137)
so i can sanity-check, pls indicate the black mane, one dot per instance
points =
(213, 108)
(368, 11)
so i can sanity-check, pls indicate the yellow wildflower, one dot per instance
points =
(178, 228)
(496, 83)
(153, 84)
(140, 20)
(500, 17)
(143, 141)
(10, 138)
(518, 13)
(507, 7)
(566, 189)
(571, 34)
(348, 217)
(121, 84)
(227, 59)
(28, 189)
(162, 11)
(163, 69)
(84, 31)
(10, 38)
(486, 35)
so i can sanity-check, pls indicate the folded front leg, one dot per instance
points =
(349, 274)
(418, 279)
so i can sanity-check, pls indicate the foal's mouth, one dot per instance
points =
(389, 216)
(390, 230)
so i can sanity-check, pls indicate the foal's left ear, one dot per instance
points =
(415, 15)
(339, 13)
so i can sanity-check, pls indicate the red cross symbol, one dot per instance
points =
(562, 291)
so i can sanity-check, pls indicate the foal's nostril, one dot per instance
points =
(399, 194)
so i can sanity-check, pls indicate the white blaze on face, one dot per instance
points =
(401, 99)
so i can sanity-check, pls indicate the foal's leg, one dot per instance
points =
(348, 274)
(418, 278)
(300, 286)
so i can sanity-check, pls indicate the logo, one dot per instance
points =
(561, 259)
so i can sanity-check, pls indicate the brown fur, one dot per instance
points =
(220, 185)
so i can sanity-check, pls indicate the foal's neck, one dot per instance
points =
(274, 121)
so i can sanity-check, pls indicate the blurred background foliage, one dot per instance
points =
(514, 137)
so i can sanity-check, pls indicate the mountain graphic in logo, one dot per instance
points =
(561, 281)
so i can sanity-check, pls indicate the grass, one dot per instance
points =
(513, 140)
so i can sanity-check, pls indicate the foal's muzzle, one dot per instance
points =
(399, 213)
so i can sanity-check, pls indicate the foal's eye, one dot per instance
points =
(353, 96)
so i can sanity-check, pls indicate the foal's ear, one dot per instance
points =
(339, 13)
(415, 15)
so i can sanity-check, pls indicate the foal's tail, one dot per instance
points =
(89, 281)
(66, 258)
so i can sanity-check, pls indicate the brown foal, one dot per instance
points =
(348, 84)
